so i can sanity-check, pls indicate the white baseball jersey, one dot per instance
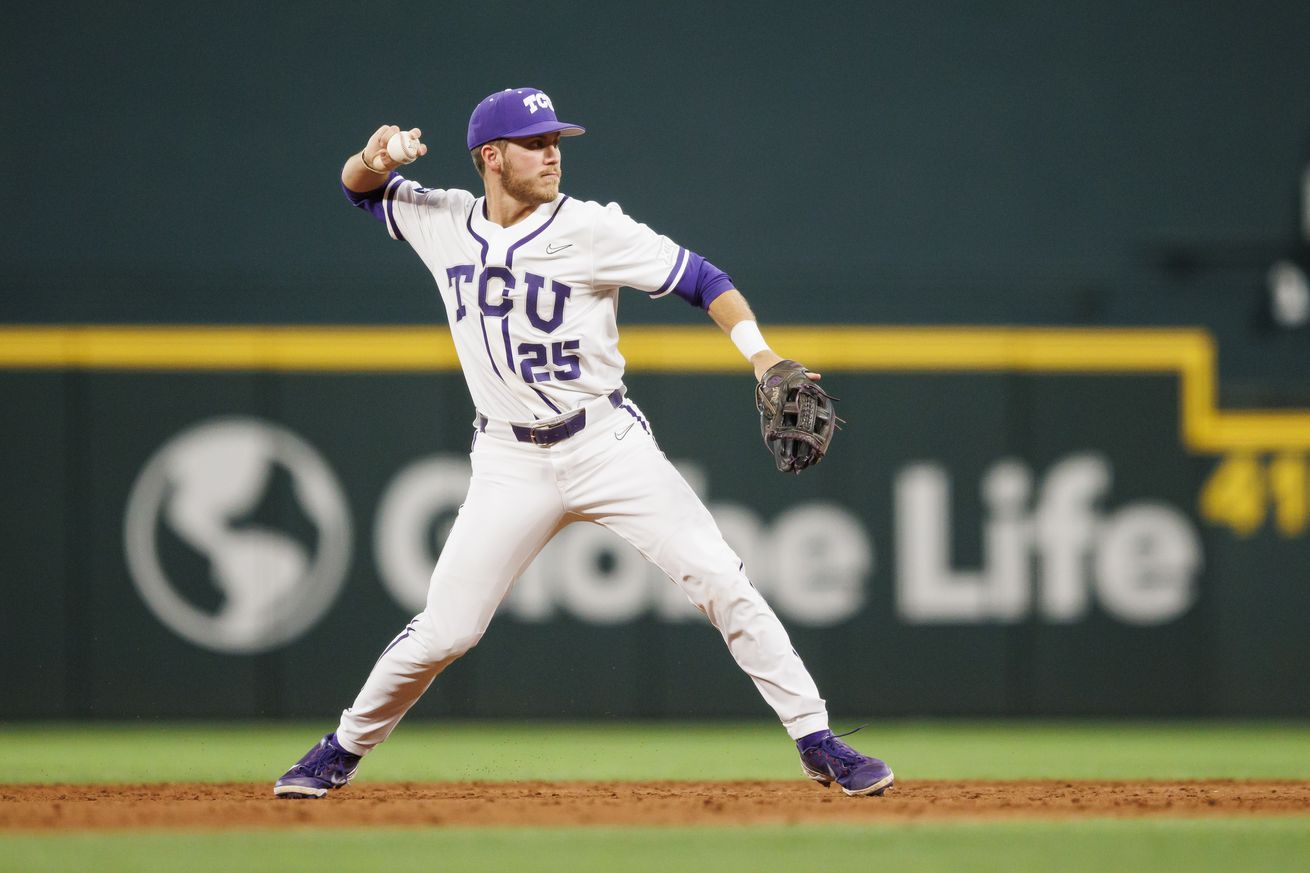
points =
(532, 311)
(532, 307)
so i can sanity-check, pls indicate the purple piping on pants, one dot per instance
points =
(628, 408)
(395, 642)
(509, 254)
(409, 628)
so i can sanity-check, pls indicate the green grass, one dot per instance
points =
(457, 751)
(1094, 846)
(437, 751)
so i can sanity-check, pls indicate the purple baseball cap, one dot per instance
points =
(513, 113)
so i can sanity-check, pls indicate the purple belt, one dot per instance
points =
(556, 431)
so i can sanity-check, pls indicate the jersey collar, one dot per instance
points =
(500, 242)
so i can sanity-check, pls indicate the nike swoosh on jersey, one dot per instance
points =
(552, 249)
(620, 434)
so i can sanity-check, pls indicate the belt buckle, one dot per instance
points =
(560, 427)
(544, 442)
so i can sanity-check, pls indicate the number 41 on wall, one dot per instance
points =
(1243, 488)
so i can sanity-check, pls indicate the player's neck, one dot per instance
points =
(507, 210)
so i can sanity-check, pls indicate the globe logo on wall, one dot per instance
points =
(237, 535)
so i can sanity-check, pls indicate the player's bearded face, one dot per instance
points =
(531, 170)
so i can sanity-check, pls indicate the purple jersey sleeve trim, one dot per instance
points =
(701, 282)
(679, 265)
(370, 201)
(389, 198)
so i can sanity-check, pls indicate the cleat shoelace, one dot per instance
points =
(842, 759)
(328, 764)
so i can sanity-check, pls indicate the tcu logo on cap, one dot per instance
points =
(538, 101)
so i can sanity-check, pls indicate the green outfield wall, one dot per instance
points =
(1015, 521)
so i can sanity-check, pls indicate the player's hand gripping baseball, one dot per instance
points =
(389, 147)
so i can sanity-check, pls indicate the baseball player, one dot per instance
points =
(530, 279)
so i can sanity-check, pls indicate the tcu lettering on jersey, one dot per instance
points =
(463, 275)
(536, 362)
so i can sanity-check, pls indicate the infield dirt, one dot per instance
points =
(553, 804)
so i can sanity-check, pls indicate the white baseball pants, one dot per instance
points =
(611, 473)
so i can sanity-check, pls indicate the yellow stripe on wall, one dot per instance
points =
(337, 349)
(1187, 352)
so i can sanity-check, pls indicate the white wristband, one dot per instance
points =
(748, 339)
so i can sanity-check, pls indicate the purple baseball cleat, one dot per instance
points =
(826, 759)
(324, 767)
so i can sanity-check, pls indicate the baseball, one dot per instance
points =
(402, 147)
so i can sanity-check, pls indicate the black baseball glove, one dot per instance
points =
(797, 418)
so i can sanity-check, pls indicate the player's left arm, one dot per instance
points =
(733, 315)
